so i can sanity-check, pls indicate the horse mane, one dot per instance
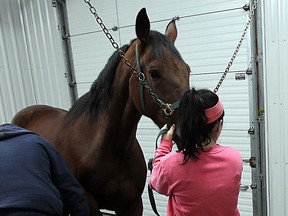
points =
(94, 101)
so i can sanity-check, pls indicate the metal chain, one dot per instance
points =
(254, 6)
(109, 36)
(140, 75)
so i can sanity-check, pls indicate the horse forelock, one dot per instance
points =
(96, 98)
(160, 45)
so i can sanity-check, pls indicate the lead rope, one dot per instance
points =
(150, 167)
(149, 164)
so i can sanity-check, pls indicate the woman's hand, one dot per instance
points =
(170, 133)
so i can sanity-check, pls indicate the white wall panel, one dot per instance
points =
(13, 60)
(81, 21)
(165, 10)
(32, 63)
(90, 46)
(206, 46)
(275, 52)
(90, 54)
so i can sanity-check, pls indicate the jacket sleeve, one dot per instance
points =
(158, 178)
(71, 191)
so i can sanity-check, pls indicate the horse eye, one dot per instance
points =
(154, 74)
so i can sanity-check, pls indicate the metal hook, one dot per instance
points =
(167, 109)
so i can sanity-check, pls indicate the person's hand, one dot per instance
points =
(170, 133)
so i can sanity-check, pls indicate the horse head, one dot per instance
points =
(165, 74)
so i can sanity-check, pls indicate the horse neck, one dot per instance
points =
(121, 109)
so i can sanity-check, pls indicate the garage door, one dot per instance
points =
(208, 34)
(33, 65)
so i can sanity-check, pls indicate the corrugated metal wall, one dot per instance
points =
(32, 64)
(208, 32)
(275, 54)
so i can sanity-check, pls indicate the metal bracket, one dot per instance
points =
(249, 71)
(72, 83)
(251, 131)
(246, 7)
(176, 18)
(253, 186)
(252, 162)
(115, 28)
(244, 187)
(54, 3)
(240, 76)
(66, 37)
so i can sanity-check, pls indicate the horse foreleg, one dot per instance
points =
(131, 209)
(93, 205)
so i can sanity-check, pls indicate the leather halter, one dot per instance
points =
(168, 109)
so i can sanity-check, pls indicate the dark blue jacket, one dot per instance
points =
(34, 178)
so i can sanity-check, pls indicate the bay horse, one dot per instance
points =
(97, 136)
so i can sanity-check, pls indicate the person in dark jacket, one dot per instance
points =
(34, 178)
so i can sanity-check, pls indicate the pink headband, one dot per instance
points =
(213, 113)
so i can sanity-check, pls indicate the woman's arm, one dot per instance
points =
(158, 178)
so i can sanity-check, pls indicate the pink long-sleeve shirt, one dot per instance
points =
(205, 187)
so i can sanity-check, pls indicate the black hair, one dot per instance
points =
(94, 101)
(192, 121)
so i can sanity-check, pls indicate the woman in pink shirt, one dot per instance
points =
(202, 178)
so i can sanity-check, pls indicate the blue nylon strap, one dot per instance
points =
(152, 200)
(142, 100)
(175, 105)
(161, 132)
(150, 191)
(141, 85)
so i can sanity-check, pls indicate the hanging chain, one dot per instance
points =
(168, 110)
(237, 48)
(109, 36)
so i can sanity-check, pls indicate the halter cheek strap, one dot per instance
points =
(168, 109)
(213, 113)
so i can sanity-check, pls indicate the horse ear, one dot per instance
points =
(142, 25)
(171, 31)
